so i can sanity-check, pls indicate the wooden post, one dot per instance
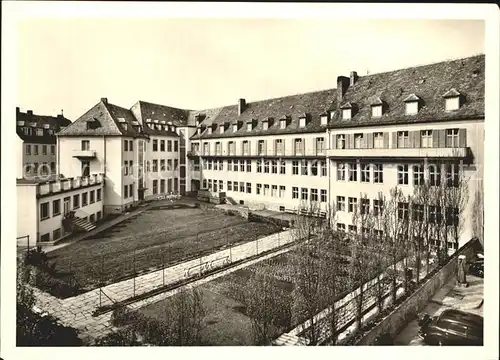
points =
(461, 278)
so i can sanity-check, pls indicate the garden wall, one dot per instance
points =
(415, 303)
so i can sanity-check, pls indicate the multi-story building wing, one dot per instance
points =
(36, 144)
(104, 140)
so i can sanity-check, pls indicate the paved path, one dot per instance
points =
(77, 311)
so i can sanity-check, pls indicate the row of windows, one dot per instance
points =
(305, 192)
(128, 167)
(33, 149)
(169, 145)
(162, 186)
(435, 174)
(86, 198)
(170, 165)
(367, 172)
(58, 233)
(37, 132)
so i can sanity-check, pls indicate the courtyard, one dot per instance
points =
(150, 240)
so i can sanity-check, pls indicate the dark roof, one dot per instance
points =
(293, 107)
(44, 122)
(109, 117)
(144, 111)
(428, 82)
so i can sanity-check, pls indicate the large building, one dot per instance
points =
(363, 137)
(36, 143)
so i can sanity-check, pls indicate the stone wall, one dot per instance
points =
(409, 309)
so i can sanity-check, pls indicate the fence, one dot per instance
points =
(24, 241)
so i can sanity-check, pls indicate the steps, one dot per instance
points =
(83, 224)
(230, 201)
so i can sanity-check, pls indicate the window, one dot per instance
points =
(131, 146)
(44, 149)
(162, 165)
(206, 148)
(231, 148)
(45, 237)
(249, 166)
(411, 107)
(258, 190)
(426, 138)
(376, 110)
(314, 194)
(304, 166)
(323, 195)
(125, 167)
(176, 145)
(403, 139)
(346, 114)
(125, 191)
(418, 175)
(242, 165)
(358, 141)
(282, 191)
(155, 145)
(434, 214)
(323, 168)
(229, 186)
(320, 145)
(353, 172)
(403, 174)
(279, 147)
(266, 190)
(324, 119)
(418, 212)
(378, 140)
(341, 172)
(266, 166)
(295, 167)
(452, 216)
(314, 168)
(56, 234)
(274, 167)
(176, 164)
(274, 190)
(282, 167)
(92, 196)
(204, 184)
(304, 192)
(56, 207)
(35, 168)
(365, 173)
(162, 186)
(98, 215)
(242, 186)
(209, 164)
(452, 137)
(246, 147)
(35, 149)
(155, 165)
(259, 166)
(378, 207)
(53, 167)
(340, 227)
(249, 188)
(84, 199)
(98, 192)
(341, 141)
(261, 148)
(162, 145)
(365, 206)
(76, 201)
(39, 132)
(28, 149)
(155, 187)
(352, 205)
(295, 192)
(340, 203)
(403, 211)
(378, 173)
(452, 175)
(85, 145)
(169, 164)
(169, 145)
(452, 103)
(353, 229)
(435, 175)
(299, 147)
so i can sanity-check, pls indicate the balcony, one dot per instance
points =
(84, 154)
(408, 153)
(57, 186)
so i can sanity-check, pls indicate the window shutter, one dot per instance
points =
(394, 140)
(435, 138)
(265, 147)
(303, 146)
(334, 142)
(442, 138)
(283, 147)
(315, 141)
(351, 141)
(250, 147)
(369, 140)
(294, 146)
(386, 140)
(417, 139)
(411, 139)
(462, 138)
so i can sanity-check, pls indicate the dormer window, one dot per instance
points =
(324, 119)
(346, 111)
(265, 124)
(198, 130)
(303, 121)
(377, 109)
(39, 132)
(283, 124)
(209, 130)
(20, 123)
(452, 100)
(412, 104)
(235, 127)
(250, 124)
(222, 128)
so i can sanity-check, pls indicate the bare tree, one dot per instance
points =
(457, 197)
(478, 211)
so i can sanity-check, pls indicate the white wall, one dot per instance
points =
(27, 212)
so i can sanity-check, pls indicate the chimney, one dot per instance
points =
(354, 78)
(29, 112)
(104, 100)
(241, 106)
(342, 85)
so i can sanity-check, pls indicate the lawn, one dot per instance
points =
(152, 238)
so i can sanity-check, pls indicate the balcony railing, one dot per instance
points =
(400, 153)
(87, 154)
(69, 184)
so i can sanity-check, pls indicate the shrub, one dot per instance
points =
(124, 337)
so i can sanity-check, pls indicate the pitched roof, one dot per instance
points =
(108, 116)
(293, 107)
(428, 82)
(43, 122)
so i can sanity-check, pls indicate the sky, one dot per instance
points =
(69, 64)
